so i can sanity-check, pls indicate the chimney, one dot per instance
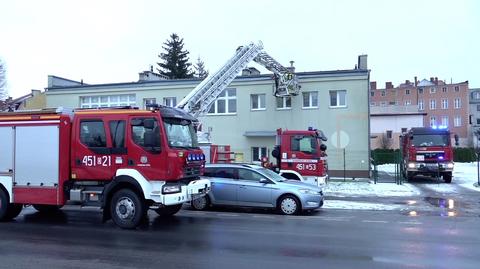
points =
(362, 62)
(436, 80)
(407, 82)
(416, 81)
(388, 85)
(246, 72)
(291, 68)
(373, 85)
(431, 79)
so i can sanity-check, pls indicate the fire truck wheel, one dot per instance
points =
(201, 203)
(47, 209)
(3, 205)
(168, 210)
(13, 211)
(447, 177)
(289, 205)
(127, 209)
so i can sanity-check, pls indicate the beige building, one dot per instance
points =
(247, 114)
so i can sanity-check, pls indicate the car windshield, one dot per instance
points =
(305, 144)
(430, 140)
(180, 133)
(270, 174)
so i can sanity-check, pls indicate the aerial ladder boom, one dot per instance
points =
(199, 100)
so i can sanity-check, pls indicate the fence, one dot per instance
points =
(392, 170)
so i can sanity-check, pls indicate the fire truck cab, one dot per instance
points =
(122, 160)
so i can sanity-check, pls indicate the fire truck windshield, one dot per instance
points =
(180, 133)
(430, 140)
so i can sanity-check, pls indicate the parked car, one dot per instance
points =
(248, 185)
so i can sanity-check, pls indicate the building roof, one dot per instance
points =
(425, 83)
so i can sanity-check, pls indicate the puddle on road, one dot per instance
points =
(442, 202)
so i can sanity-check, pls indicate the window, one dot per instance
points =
(433, 104)
(338, 98)
(476, 95)
(433, 90)
(305, 144)
(258, 153)
(222, 172)
(107, 101)
(226, 103)
(420, 105)
(389, 134)
(408, 102)
(372, 94)
(457, 103)
(143, 136)
(457, 89)
(372, 103)
(244, 174)
(457, 121)
(404, 130)
(117, 133)
(257, 101)
(383, 93)
(478, 120)
(478, 107)
(284, 102)
(444, 89)
(170, 101)
(383, 103)
(432, 121)
(445, 121)
(407, 91)
(92, 133)
(444, 103)
(310, 99)
(420, 90)
(149, 101)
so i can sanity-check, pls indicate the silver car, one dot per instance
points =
(246, 185)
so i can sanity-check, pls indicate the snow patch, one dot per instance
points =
(339, 204)
(361, 189)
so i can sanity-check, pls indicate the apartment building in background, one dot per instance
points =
(441, 103)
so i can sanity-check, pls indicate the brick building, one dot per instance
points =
(444, 104)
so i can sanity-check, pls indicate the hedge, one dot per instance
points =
(464, 155)
(383, 156)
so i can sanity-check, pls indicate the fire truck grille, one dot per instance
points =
(192, 171)
(433, 155)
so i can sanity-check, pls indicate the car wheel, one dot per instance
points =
(201, 203)
(447, 177)
(289, 205)
(168, 210)
(127, 209)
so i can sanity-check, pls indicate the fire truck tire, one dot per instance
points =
(47, 209)
(168, 210)
(289, 205)
(447, 177)
(8, 211)
(127, 209)
(409, 176)
(201, 203)
(13, 211)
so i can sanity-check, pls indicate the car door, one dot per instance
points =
(251, 192)
(224, 185)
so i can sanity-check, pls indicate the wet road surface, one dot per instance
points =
(243, 239)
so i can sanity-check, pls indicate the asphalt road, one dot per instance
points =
(243, 239)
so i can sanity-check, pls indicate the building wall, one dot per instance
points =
(474, 100)
(348, 125)
(442, 91)
(380, 124)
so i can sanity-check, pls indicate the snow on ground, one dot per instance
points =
(339, 204)
(464, 175)
(362, 188)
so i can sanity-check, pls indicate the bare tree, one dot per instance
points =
(3, 81)
(385, 142)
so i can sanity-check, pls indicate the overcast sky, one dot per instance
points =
(112, 41)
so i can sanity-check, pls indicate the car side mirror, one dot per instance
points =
(264, 181)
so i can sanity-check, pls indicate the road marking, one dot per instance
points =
(331, 218)
(410, 222)
(375, 221)
(227, 215)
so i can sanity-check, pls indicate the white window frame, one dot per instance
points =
(338, 92)
(383, 93)
(433, 104)
(97, 101)
(261, 104)
(457, 121)
(444, 103)
(260, 150)
(407, 92)
(311, 105)
(433, 90)
(284, 103)
(170, 101)
(229, 94)
(457, 103)
(444, 89)
(421, 105)
(408, 102)
(476, 95)
(149, 101)
(457, 88)
(445, 121)
(433, 121)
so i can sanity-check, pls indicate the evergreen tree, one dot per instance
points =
(3, 82)
(175, 63)
(200, 71)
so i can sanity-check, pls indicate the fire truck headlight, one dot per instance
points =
(411, 165)
(171, 189)
(450, 165)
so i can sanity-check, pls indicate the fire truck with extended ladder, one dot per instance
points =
(125, 161)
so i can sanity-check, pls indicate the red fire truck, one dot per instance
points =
(427, 151)
(300, 155)
(122, 160)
